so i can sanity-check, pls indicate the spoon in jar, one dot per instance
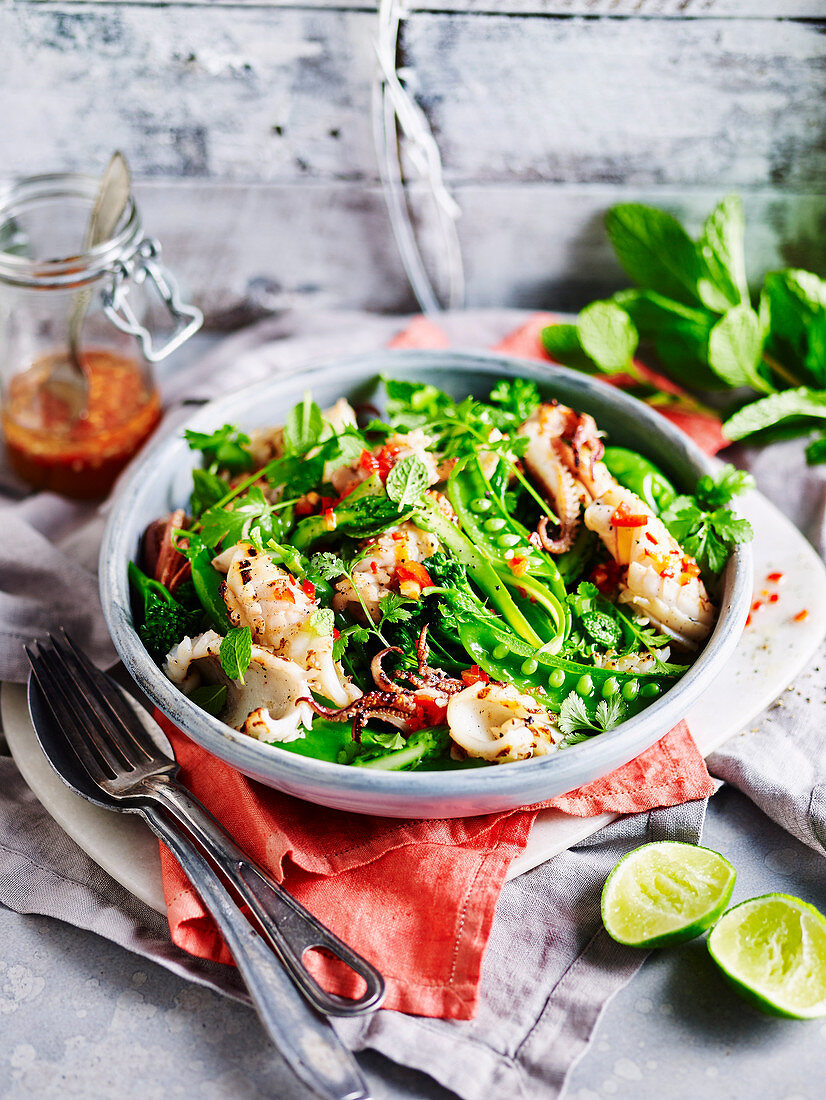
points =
(68, 380)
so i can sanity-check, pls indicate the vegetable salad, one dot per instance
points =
(458, 585)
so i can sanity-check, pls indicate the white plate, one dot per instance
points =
(771, 653)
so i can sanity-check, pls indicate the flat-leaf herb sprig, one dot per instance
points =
(692, 307)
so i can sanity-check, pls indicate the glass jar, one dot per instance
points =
(72, 421)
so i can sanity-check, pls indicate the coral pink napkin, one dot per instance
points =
(417, 898)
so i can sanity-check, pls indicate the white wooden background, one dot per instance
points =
(248, 126)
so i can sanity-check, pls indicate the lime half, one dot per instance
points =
(772, 949)
(665, 892)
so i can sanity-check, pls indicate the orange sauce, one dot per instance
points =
(79, 456)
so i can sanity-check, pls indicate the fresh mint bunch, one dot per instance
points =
(692, 307)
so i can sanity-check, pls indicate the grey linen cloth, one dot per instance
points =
(549, 969)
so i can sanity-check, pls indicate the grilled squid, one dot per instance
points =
(269, 705)
(496, 722)
(277, 608)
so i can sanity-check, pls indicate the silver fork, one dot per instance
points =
(114, 747)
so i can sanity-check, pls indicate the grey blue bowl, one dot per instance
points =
(161, 481)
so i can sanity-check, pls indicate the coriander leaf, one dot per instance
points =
(304, 427)
(777, 407)
(322, 621)
(517, 396)
(730, 528)
(610, 713)
(716, 489)
(210, 697)
(735, 348)
(573, 714)
(392, 609)
(721, 245)
(407, 481)
(563, 345)
(327, 565)
(236, 652)
(607, 335)
(656, 251)
(207, 490)
(225, 447)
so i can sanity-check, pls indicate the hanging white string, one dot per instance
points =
(398, 120)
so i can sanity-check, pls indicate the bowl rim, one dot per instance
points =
(258, 758)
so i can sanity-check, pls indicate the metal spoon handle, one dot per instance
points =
(290, 927)
(306, 1040)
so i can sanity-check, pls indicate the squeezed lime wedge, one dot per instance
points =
(772, 949)
(665, 892)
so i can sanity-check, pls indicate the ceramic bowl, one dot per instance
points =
(161, 481)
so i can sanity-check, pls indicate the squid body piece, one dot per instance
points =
(497, 722)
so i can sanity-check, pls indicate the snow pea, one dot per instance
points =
(641, 477)
(506, 657)
(208, 584)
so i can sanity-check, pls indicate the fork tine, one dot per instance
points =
(121, 724)
(111, 752)
(66, 718)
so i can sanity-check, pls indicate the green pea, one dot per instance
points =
(610, 687)
(530, 666)
(585, 685)
(650, 690)
(495, 524)
(557, 678)
(481, 504)
(509, 540)
(629, 690)
(501, 651)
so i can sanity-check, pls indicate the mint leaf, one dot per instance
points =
(207, 490)
(299, 473)
(656, 251)
(816, 451)
(563, 345)
(322, 621)
(721, 246)
(735, 347)
(250, 516)
(678, 332)
(303, 428)
(407, 481)
(236, 652)
(607, 335)
(390, 741)
(759, 415)
(210, 697)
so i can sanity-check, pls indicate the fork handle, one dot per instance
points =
(290, 927)
(305, 1039)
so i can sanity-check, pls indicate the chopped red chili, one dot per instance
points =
(308, 588)
(621, 517)
(475, 675)
(801, 615)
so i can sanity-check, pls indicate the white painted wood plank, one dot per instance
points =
(539, 245)
(645, 9)
(277, 96)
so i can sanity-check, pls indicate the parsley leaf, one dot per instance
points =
(236, 652)
(407, 481)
